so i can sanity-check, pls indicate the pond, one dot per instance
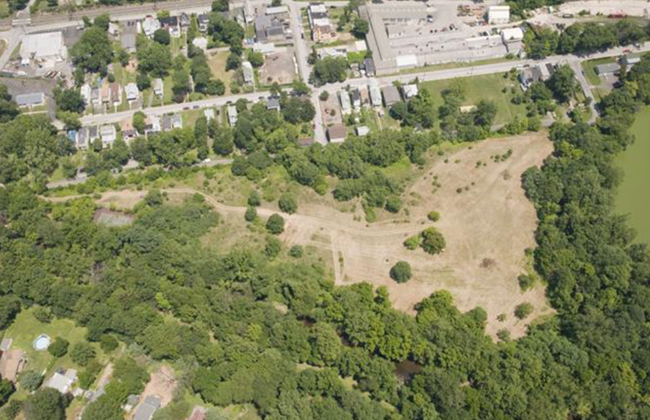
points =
(633, 194)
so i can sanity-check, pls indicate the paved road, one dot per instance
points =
(586, 89)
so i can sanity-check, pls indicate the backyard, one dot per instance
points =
(633, 195)
(490, 86)
(217, 62)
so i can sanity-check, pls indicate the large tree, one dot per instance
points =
(94, 52)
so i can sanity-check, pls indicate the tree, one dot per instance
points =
(296, 110)
(102, 21)
(162, 36)
(139, 121)
(523, 310)
(94, 51)
(401, 272)
(233, 62)
(360, 28)
(45, 404)
(181, 86)
(108, 343)
(8, 108)
(432, 241)
(330, 70)
(82, 353)
(106, 407)
(275, 224)
(154, 59)
(287, 203)
(69, 100)
(256, 58)
(273, 247)
(251, 214)
(222, 139)
(30, 380)
(324, 95)
(563, 83)
(296, 251)
(143, 81)
(59, 347)
(433, 216)
(6, 389)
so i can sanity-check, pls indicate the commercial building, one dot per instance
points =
(47, 48)
(498, 15)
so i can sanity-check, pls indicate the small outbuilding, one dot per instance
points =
(337, 133)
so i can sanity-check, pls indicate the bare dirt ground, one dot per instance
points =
(487, 229)
(162, 384)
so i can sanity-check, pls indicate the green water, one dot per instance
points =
(633, 195)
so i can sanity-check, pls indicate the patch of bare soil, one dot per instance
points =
(162, 384)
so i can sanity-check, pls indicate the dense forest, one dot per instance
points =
(272, 330)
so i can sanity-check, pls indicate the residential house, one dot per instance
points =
(105, 94)
(323, 33)
(184, 21)
(631, 59)
(85, 137)
(355, 96)
(12, 362)
(152, 125)
(172, 25)
(150, 25)
(108, 134)
(498, 15)
(177, 121)
(204, 22)
(131, 401)
(132, 92)
(319, 23)
(86, 93)
(30, 99)
(608, 69)
(201, 43)
(409, 91)
(95, 97)
(113, 29)
(116, 93)
(232, 115)
(158, 87)
(538, 73)
(273, 104)
(62, 380)
(391, 95)
(247, 71)
(346, 105)
(166, 122)
(369, 66)
(147, 408)
(47, 48)
(279, 11)
(269, 29)
(362, 131)
(128, 131)
(337, 133)
(209, 114)
(375, 94)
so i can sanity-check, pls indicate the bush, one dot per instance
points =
(296, 251)
(43, 314)
(432, 241)
(523, 310)
(413, 242)
(82, 353)
(59, 347)
(30, 380)
(526, 282)
(434, 216)
(287, 203)
(251, 214)
(393, 204)
(108, 343)
(275, 224)
(254, 199)
(401, 272)
(273, 247)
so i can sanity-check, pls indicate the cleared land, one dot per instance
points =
(476, 88)
(487, 229)
(633, 195)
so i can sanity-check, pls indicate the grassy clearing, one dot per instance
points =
(3, 43)
(26, 328)
(217, 64)
(633, 195)
(454, 65)
(4, 9)
(476, 88)
(590, 69)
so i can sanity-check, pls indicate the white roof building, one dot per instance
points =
(375, 94)
(407, 60)
(86, 93)
(232, 115)
(278, 10)
(509, 35)
(264, 48)
(132, 92)
(150, 25)
(108, 134)
(362, 131)
(46, 47)
(346, 104)
(209, 114)
(158, 87)
(410, 91)
(498, 15)
(249, 74)
(62, 382)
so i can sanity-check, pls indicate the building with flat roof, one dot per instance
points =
(337, 133)
(346, 105)
(607, 69)
(248, 73)
(47, 47)
(391, 95)
(30, 99)
(498, 15)
(231, 111)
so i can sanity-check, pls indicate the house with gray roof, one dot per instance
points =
(391, 95)
(607, 69)
(268, 28)
(30, 99)
(147, 408)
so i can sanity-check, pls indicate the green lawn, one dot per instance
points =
(4, 9)
(26, 328)
(633, 195)
(590, 69)
(217, 63)
(482, 87)
(3, 45)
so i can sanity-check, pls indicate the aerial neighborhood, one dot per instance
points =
(311, 210)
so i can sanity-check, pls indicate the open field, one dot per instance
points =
(487, 229)
(489, 86)
(633, 195)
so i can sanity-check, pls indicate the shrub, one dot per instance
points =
(523, 310)
(401, 272)
(287, 203)
(30, 380)
(434, 216)
(108, 343)
(82, 353)
(273, 247)
(503, 335)
(296, 251)
(59, 347)
(393, 204)
(254, 199)
(43, 314)
(413, 242)
(275, 224)
(251, 214)
(432, 241)
(526, 282)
